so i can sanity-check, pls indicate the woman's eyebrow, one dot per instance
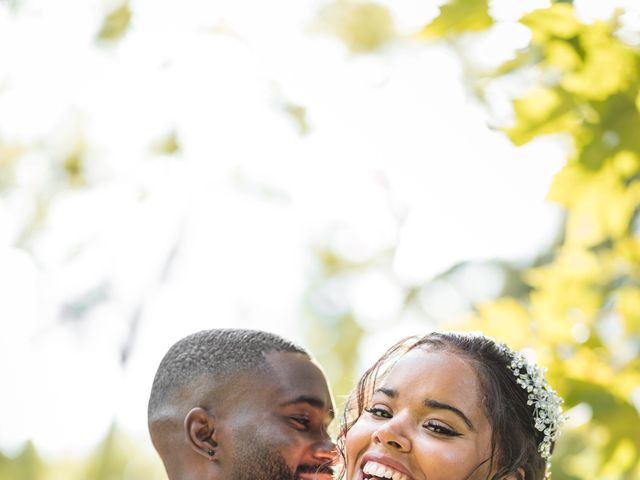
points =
(389, 392)
(430, 403)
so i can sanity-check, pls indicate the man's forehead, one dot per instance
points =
(296, 379)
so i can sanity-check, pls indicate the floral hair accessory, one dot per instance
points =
(547, 404)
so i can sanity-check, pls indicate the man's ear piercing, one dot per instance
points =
(211, 452)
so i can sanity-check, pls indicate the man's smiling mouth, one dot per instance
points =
(375, 470)
(314, 476)
(321, 472)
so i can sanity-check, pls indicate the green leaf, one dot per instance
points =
(298, 114)
(609, 66)
(617, 129)
(522, 58)
(541, 112)
(167, 145)
(363, 27)
(555, 21)
(116, 23)
(459, 16)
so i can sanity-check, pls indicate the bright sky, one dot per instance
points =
(246, 197)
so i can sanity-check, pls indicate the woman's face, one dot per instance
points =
(425, 421)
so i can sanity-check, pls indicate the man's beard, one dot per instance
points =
(257, 461)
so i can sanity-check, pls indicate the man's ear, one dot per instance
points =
(200, 428)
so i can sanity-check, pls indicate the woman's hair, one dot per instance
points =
(514, 440)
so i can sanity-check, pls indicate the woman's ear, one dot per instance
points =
(200, 429)
(519, 475)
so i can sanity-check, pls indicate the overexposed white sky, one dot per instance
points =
(244, 200)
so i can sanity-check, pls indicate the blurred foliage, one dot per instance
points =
(459, 16)
(362, 26)
(578, 305)
(13, 4)
(167, 145)
(116, 23)
(582, 314)
(27, 465)
(298, 115)
(331, 330)
(73, 166)
(9, 155)
(580, 310)
(115, 458)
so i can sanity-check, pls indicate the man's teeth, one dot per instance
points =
(382, 471)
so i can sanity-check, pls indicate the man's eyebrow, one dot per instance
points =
(445, 406)
(315, 402)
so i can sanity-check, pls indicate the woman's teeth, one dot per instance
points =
(382, 471)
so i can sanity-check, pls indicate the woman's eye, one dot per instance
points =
(378, 412)
(436, 427)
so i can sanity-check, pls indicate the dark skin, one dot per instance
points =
(269, 425)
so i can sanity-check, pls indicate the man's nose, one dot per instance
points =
(325, 450)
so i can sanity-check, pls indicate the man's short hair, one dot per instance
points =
(217, 354)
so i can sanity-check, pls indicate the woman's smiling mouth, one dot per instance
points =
(378, 470)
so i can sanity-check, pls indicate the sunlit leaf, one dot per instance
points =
(628, 305)
(363, 27)
(558, 20)
(522, 58)
(601, 205)
(116, 23)
(299, 116)
(568, 184)
(459, 16)
(629, 249)
(541, 112)
(73, 167)
(626, 163)
(609, 66)
(615, 129)
(562, 54)
(167, 145)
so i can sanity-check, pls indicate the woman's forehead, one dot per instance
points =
(441, 375)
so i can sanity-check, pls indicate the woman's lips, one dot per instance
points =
(382, 471)
(382, 466)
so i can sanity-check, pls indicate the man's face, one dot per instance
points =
(280, 432)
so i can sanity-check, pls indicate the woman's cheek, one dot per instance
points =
(357, 439)
(440, 459)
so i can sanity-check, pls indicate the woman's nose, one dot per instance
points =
(390, 435)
